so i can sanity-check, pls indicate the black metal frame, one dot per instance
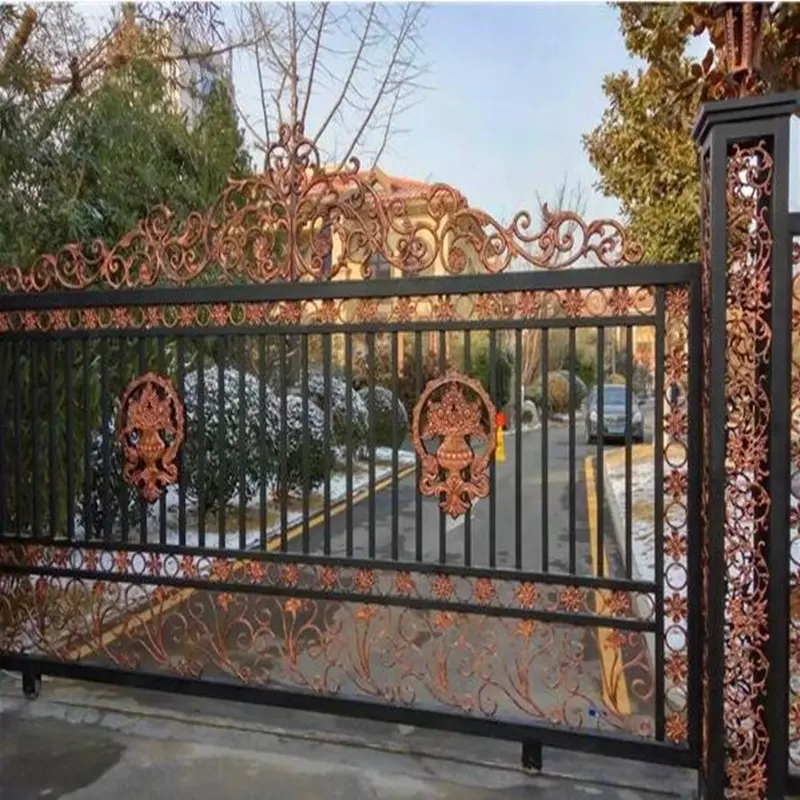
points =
(658, 277)
(761, 123)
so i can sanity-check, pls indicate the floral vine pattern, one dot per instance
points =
(301, 221)
(676, 513)
(364, 583)
(794, 526)
(747, 497)
(397, 311)
(111, 607)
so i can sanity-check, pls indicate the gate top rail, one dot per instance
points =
(301, 221)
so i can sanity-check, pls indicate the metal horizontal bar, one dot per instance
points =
(528, 280)
(418, 603)
(583, 740)
(498, 323)
(794, 223)
(494, 573)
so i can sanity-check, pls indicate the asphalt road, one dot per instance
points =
(541, 520)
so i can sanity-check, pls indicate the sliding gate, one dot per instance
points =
(326, 448)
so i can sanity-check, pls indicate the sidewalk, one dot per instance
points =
(86, 742)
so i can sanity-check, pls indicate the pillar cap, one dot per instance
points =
(745, 109)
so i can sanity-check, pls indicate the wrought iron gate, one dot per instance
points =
(281, 452)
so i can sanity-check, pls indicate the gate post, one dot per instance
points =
(746, 398)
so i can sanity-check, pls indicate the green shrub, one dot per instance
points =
(221, 466)
(333, 400)
(108, 493)
(558, 393)
(296, 424)
(384, 403)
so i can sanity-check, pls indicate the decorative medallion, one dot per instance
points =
(458, 410)
(150, 428)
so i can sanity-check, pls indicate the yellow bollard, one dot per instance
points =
(500, 450)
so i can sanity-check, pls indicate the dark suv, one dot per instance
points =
(614, 424)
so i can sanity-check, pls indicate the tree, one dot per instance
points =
(345, 73)
(643, 148)
(86, 168)
(114, 155)
(90, 156)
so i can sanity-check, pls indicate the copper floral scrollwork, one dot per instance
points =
(457, 410)
(150, 427)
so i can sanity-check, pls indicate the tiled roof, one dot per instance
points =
(393, 187)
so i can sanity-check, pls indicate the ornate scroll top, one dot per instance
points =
(461, 417)
(299, 220)
(150, 427)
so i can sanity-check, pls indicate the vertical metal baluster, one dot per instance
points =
(395, 447)
(493, 464)
(17, 350)
(417, 495)
(545, 450)
(284, 445)
(243, 489)
(348, 374)
(105, 440)
(658, 513)
(51, 437)
(37, 513)
(468, 515)
(3, 431)
(123, 492)
(600, 464)
(628, 452)
(326, 442)
(222, 452)
(69, 366)
(442, 516)
(372, 435)
(573, 366)
(262, 441)
(201, 439)
(181, 376)
(306, 459)
(143, 507)
(162, 501)
(87, 442)
(518, 451)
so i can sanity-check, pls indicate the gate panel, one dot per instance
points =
(328, 575)
(311, 484)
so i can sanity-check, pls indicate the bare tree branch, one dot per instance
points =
(346, 73)
(314, 60)
(349, 80)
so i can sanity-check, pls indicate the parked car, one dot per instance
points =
(614, 424)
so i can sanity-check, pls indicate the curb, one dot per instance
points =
(618, 524)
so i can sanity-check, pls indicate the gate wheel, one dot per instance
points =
(31, 685)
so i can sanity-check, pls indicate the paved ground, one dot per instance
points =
(81, 742)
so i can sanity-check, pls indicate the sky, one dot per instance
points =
(513, 86)
(512, 89)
